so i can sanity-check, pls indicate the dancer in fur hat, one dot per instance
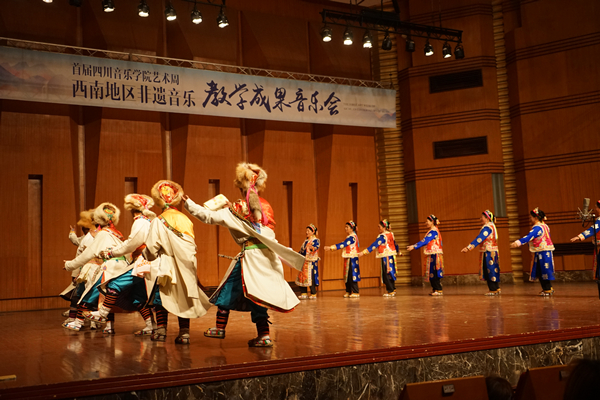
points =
(254, 281)
(129, 290)
(73, 292)
(171, 249)
(95, 269)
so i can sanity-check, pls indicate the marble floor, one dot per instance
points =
(38, 351)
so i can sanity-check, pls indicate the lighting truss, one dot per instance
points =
(382, 21)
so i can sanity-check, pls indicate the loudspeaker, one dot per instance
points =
(471, 388)
(547, 383)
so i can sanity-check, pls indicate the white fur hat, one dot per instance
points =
(167, 192)
(141, 203)
(246, 174)
(106, 213)
(86, 219)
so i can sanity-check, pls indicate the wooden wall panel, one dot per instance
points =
(287, 156)
(35, 140)
(341, 160)
(555, 114)
(129, 147)
(213, 150)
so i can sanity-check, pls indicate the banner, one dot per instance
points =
(88, 81)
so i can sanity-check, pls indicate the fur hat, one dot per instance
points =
(248, 175)
(252, 179)
(106, 213)
(166, 193)
(86, 219)
(140, 202)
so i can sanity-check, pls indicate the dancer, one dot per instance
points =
(350, 256)
(73, 292)
(540, 244)
(434, 260)
(254, 281)
(309, 276)
(105, 217)
(386, 251)
(122, 285)
(593, 230)
(488, 258)
(171, 250)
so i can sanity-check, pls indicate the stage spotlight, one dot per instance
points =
(367, 40)
(196, 15)
(459, 52)
(222, 19)
(447, 50)
(108, 5)
(76, 3)
(410, 45)
(348, 35)
(143, 9)
(387, 42)
(428, 48)
(326, 33)
(170, 12)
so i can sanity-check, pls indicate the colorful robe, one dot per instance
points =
(488, 256)
(386, 250)
(433, 266)
(540, 244)
(350, 256)
(310, 269)
(590, 233)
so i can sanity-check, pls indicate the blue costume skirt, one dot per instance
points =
(131, 289)
(434, 266)
(231, 296)
(488, 260)
(91, 298)
(351, 265)
(542, 266)
(389, 262)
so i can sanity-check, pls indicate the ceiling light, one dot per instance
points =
(348, 36)
(447, 50)
(108, 5)
(170, 12)
(459, 52)
(428, 48)
(410, 45)
(387, 42)
(222, 19)
(196, 15)
(143, 9)
(367, 40)
(47, 1)
(326, 33)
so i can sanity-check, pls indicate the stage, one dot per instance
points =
(326, 348)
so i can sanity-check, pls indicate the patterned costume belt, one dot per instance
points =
(117, 258)
(255, 246)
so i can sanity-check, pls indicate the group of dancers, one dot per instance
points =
(154, 270)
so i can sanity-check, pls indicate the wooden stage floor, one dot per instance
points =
(322, 333)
